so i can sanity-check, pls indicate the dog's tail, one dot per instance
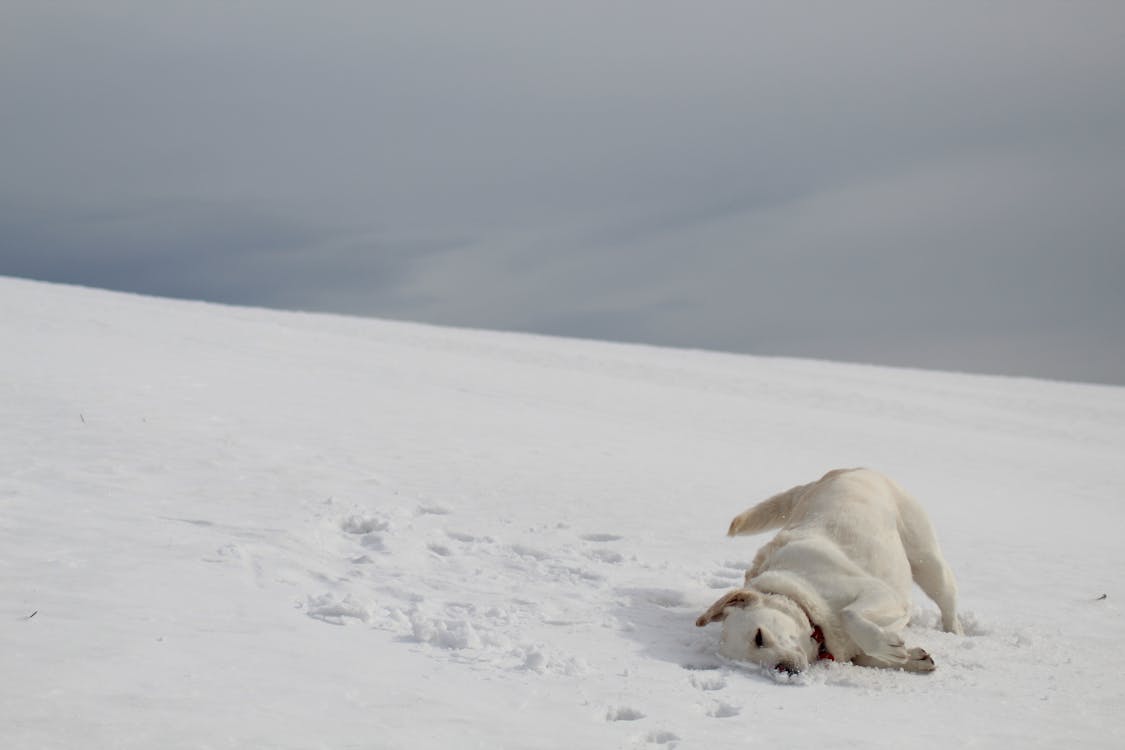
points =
(768, 514)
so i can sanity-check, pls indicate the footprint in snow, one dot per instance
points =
(702, 666)
(729, 574)
(434, 510)
(523, 550)
(728, 577)
(664, 598)
(708, 682)
(606, 556)
(732, 574)
(623, 713)
(601, 537)
(363, 523)
(723, 710)
(663, 737)
(375, 542)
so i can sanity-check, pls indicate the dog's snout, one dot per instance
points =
(787, 668)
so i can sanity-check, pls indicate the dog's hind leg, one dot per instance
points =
(933, 576)
(927, 565)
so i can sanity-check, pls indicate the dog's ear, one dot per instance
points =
(717, 611)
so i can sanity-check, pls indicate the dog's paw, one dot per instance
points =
(952, 625)
(890, 649)
(917, 660)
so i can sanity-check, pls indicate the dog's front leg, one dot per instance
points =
(917, 660)
(874, 621)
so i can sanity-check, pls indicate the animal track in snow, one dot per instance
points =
(666, 598)
(623, 713)
(363, 523)
(606, 556)
(601, 537)
(723, 711)
(461, 616)
(702, 666)
(729, 574)
(375, 542)
(726, 578)
(434, 510)
(662, 737)
(524, 551)
(709, 682)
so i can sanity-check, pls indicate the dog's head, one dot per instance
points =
(763, 628)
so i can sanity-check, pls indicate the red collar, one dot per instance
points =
(822, 652)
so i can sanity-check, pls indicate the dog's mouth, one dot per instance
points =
(822, 653)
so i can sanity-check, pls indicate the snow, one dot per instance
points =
(246, 528)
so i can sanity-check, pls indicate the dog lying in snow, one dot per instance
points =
(835, 582)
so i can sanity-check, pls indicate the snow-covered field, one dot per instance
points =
(243, 528)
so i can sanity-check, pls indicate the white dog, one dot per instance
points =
(835, 582)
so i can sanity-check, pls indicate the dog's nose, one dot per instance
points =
(787, 668)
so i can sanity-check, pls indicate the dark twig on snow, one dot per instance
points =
(32, 615)
(1099, 598)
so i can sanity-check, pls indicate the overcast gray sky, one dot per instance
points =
(912, 183)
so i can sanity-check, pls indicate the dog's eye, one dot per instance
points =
(759, 641)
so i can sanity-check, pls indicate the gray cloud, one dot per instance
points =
(899, 183)
(221, 252)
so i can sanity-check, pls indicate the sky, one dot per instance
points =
(934, 185)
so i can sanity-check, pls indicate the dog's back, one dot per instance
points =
(856, 512)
